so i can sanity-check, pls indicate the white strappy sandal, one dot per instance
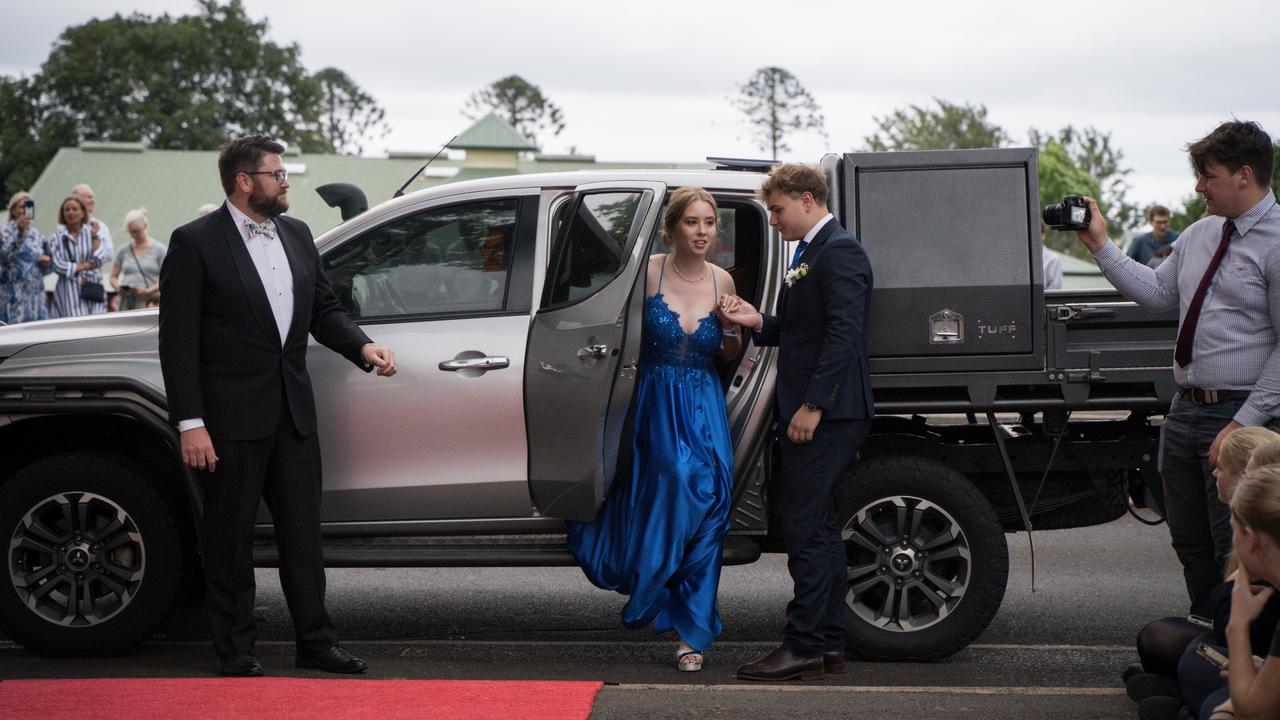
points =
(690, 661)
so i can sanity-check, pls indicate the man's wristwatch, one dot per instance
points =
(811, 406)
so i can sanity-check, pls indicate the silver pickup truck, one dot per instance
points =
(513, 304)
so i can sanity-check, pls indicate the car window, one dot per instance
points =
(447, 260)
(739, 242)
(724, 251)
(594, 244)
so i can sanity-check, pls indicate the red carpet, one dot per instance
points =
(284, 698)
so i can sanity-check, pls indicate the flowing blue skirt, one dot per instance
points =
(657, 536)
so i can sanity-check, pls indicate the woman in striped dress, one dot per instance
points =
(78, 256)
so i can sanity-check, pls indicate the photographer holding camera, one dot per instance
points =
(23, 264)
(1224, 277)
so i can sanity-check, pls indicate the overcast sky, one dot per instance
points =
(650, 79)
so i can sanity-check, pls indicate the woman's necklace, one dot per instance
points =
(675, 266)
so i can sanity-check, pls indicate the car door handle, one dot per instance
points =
(495, 362)
(596, 351)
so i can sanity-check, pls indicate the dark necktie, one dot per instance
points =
(1187, 333)
(795, 259)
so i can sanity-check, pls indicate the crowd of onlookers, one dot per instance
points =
(93, 275)
(1208, 667)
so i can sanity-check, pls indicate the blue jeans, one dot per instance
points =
(1199, 523)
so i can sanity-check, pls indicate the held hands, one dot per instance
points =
(1095, 236)
(734, 310)
(380, 357)
(197, 449)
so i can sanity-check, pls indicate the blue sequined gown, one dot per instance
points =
(657, 536)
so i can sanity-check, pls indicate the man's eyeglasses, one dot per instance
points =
(280, 175)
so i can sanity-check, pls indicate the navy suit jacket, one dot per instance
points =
(220, 348)
(821, 331)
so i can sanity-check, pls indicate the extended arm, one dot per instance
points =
(1153, 289)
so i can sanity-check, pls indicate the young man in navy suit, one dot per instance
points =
(243, 288)
(824, 402)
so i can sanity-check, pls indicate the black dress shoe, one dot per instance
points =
(242, 665)
(1141, 686)
(332, 659)
(781, 664)
(833, 662)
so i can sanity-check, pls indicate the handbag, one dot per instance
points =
(146, 280)
(93, 292)
(89, 291)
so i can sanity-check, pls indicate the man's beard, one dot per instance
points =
(269, 207)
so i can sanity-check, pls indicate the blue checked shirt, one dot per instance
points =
(1235, 344)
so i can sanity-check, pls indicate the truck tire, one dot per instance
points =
(93, 561)
(927, 560)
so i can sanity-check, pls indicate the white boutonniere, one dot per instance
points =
(796, 274)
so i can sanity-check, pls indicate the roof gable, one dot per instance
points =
(491, 132)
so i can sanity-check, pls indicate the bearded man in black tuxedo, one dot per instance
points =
(243, 288)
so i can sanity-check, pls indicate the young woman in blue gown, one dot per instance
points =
(657, 536)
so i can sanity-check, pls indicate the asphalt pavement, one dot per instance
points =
(1052, 653)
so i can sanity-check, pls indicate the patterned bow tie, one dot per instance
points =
(267, 228)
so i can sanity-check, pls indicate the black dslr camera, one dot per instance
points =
(1070, 214)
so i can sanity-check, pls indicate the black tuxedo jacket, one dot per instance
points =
(220, 348)
(821, 331)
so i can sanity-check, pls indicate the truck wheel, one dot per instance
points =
(927, 560)
(93, 561)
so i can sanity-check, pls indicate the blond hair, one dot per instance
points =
(1267, 453)
(795, 179)
(1240, 444)
(140, 215)
(680, 200)
(17, 198)
(1256, 502)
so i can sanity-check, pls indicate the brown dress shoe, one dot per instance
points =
(833, 662)
(782, 665)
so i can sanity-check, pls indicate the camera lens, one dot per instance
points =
(1053, 214)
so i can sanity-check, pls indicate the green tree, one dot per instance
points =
(186, 82)
(1060, 176)
(348, 115)
(182, 83)
(776, 104)
(521, 103)
(948, 127)
(1091, 151)
(29, 136)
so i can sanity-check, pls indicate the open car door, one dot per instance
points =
(584, 345)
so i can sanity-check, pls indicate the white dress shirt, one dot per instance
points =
(273, 269)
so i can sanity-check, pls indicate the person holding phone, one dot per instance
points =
(23, 264)
(1255, 532)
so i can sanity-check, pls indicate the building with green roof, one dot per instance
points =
(173, 184)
